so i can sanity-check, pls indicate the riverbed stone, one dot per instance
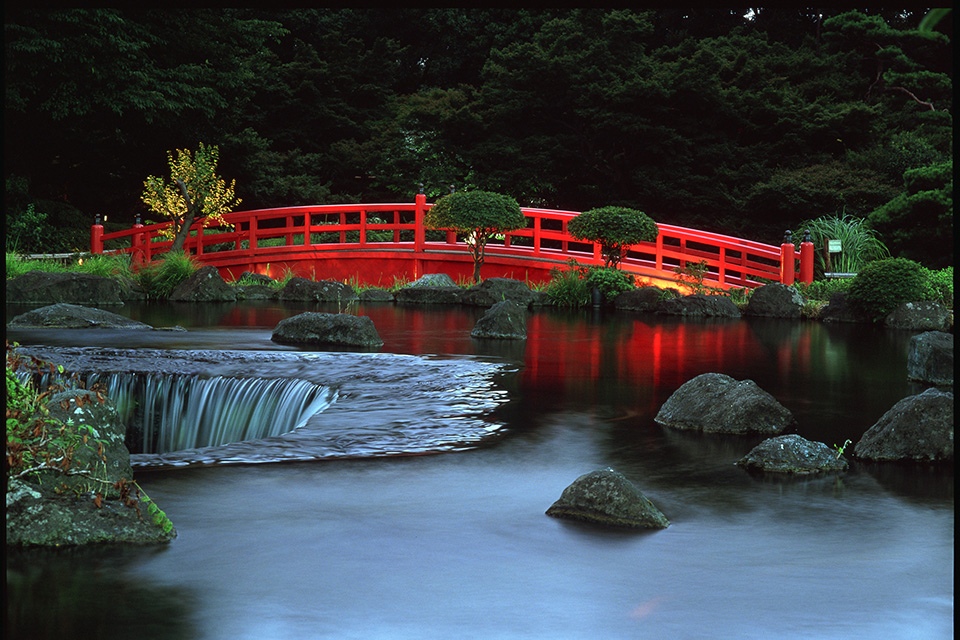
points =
(774, 301)
(700, 305)
(72, 316)
(204, 285)
(329, 329)
(505, 320)
(918, 428)
(716, 403)
(38, 287)
(924, 315)
(255, 292)
(793, 454)
(930, 358)
(494, 290)
(304, 290)
(607, 497)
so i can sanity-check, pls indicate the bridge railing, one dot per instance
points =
(325, 229)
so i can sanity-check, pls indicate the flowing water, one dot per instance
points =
(356, 534)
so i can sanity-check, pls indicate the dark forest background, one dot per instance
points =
(736, 120)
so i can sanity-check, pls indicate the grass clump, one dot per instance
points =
(860, 244)
(159, 279)
(573, 287)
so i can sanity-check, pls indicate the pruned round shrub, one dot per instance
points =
(884, 284)
(615, 229)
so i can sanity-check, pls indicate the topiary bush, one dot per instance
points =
(883, 284)
(615, 229)
(478, 215)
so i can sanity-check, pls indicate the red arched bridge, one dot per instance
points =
(378, 244)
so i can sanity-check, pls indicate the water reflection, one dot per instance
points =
(457, 545)
(85, 593)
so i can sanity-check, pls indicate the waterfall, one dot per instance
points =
(169, 412)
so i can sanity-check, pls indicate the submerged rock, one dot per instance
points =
(930, 358)
(327, 328)
(716, 403)
(72, 316)
(917, 429)
(505, 320)
(607, 497)
(792, 454)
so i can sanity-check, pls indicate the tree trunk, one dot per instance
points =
(188, 218)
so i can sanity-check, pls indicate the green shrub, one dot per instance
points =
(883, 284)
(823, 289)
(611, 282)
(615, 229)
(939, 286)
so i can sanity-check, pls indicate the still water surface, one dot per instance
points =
(456, 544)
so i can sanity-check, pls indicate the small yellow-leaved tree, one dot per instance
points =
(193, 191)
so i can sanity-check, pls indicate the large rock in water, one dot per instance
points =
(716, 403)
(329, 329)
(430, 295)
(607, 497)
(642, 299)
(839, 310)
(494, 290)
(925, 315)
(917, 429)
(72, 316)
(305, 290)
(792, 454)
(37, 287)
(930, 358)
(204, 285)
(700, 305)
(505, 320)
(433, 280)
(774, 301)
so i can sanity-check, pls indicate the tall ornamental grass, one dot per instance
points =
(860, 243)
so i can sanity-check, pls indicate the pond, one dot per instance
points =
(452, 541)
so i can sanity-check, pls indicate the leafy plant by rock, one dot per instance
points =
(883, 284)
(860, 244)
(615, 229)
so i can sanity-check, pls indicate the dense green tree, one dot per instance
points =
(918, 223)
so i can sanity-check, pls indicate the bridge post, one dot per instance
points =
(137, 242)
(806, 259)
(787, 259)
(419, 234)
(96, 236)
